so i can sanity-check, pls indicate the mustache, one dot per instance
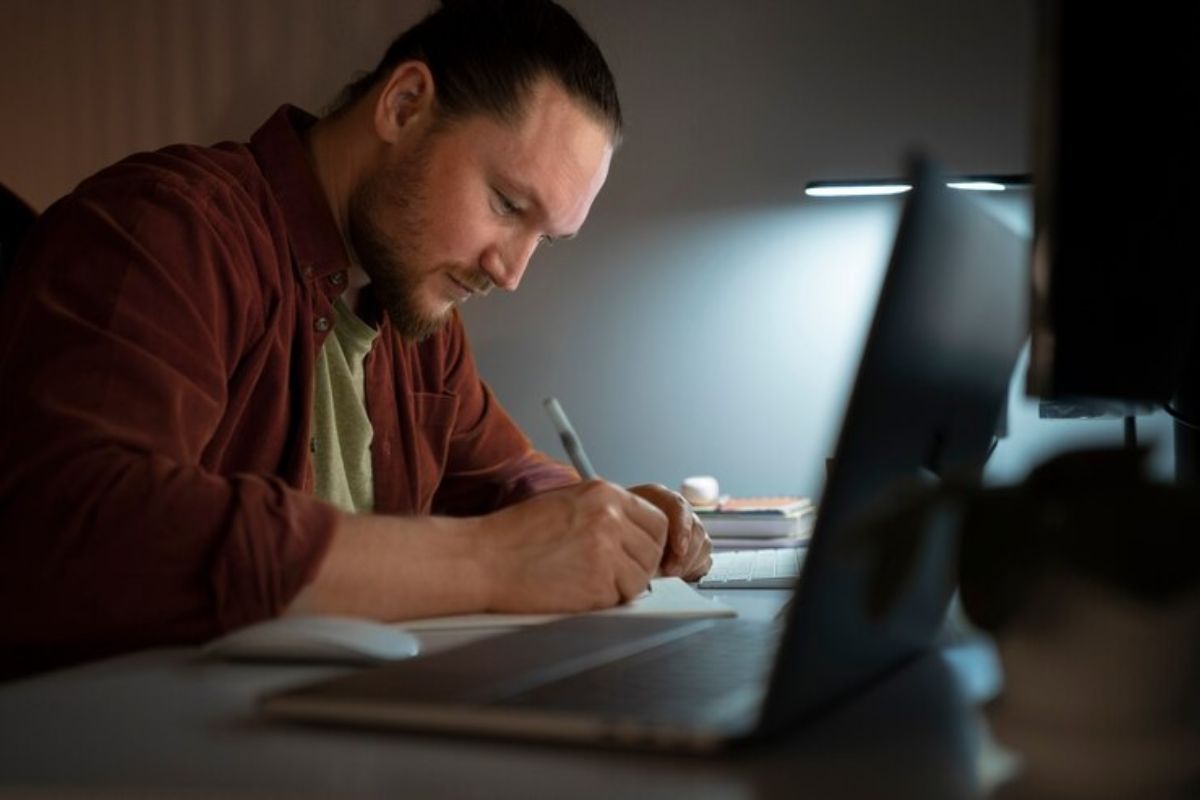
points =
(477, 282)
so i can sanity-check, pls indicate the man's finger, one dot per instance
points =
(631, 578)
(699, 560)
(648, 517)
(701, 569)
(698, 563)
(679, 518)
(686, 521)
(682, 562)
(643, 550)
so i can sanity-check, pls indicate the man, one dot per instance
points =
(236, 384)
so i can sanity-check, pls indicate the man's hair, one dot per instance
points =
(486, 55)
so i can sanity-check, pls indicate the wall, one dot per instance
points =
(709, 315)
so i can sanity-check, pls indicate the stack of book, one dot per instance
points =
(758, 521)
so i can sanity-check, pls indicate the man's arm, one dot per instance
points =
(578, 548)
(121, 329)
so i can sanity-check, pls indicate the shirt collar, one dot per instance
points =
(280, 150)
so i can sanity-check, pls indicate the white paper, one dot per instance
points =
(672, 597)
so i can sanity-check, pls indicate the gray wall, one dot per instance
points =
(708, 317)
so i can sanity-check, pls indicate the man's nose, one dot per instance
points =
(506, 265)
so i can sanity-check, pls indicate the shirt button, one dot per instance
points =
(337, 278)
(308, 271)
(322, 324)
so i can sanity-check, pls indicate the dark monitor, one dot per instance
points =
(948, 327)
(1116, 205)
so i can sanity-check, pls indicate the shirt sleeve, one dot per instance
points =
(118, 334)
(491, 463)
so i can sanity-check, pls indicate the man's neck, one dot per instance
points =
(338, 157)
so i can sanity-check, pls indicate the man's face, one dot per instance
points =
(464, 209)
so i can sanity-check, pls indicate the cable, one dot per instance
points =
(1131, 433)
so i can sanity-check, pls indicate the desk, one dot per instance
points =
(170, 724)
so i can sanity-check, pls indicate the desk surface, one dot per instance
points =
(168, 723)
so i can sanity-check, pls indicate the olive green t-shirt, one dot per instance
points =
(342, 431)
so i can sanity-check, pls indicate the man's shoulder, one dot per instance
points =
(206, 206)
(217, 175)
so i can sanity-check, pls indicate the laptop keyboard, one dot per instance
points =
(643, 680)
(671, 681)
(768, 568)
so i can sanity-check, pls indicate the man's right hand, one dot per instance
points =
(586, 546)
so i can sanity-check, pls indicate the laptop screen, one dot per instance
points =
(934, 373)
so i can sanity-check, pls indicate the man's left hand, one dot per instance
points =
(688, 553)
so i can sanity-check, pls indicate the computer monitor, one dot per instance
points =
(949, 324)
(1116, 169)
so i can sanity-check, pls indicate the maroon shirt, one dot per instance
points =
(157, 342)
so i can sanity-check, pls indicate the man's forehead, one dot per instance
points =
(552, 124)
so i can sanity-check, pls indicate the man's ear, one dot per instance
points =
(406, 99)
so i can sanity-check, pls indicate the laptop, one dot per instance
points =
(948, 326)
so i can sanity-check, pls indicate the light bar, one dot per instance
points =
(876, 187)
(977, 186)
(855, 190)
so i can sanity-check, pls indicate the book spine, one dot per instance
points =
(764, 526)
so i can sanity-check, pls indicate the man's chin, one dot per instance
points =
(420, 326)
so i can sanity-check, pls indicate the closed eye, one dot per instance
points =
(505, 206)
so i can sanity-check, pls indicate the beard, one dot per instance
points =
(391, 257)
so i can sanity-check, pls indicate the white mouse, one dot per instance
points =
(316, 638)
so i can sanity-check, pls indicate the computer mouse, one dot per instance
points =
(316, 638)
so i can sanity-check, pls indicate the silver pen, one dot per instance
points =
(573, 446)
(570, 439)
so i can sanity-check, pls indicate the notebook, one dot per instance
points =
(948, 325)
(667, 597)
